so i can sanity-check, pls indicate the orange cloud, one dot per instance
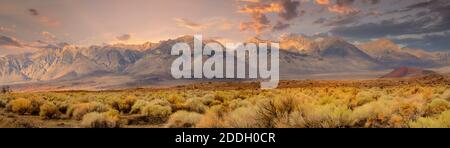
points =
(323, 2)
(124, 37)
(6, 29)
(338, 6)
(286, 10)
(342, 9)
(48, 36)
(47, 21)
(260, 9)
(182, 22)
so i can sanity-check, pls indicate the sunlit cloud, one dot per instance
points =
(124, 37)
(48, 36)
(45, 20)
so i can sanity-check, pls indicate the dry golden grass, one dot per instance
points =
(296, 104)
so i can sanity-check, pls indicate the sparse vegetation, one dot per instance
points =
(77, 111)
(20, 106)
(183, 119)
(322, 106)
(100, 120)
(5, 90)
(156, 113)
(49, 111)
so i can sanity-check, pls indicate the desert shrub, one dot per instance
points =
(156, 113)
(35, 105)
(235, 104)
(441, 121)
(373, 114)
(77, 111)
(49, 111)
(20, 106)
(324, 116)
(138, 106)
(437, 106)
(244, 117)
(195, 105)
(213, 118)
(99, 120)
(295, 120)
(126, 104)
(362, 98)
(161, 102)
(62, 106)
(270, 111)
(177, 101)
(183, 119)
(3, 103)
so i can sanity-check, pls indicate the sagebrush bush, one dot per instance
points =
(441, 121)
(183, 119)
(213, 118)
(99, 120)
(138, 106)
(374, 114)
(271, 111)
(49, 111)
(20, 106)
(362, 98)
(3, 103)
(126, 104)
(35, 105)
(77, 111)
(325, 116)
(438, 106)
(244, 117)
(156, 113)
(195, 105)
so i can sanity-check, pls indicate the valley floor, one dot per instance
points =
(380, 103)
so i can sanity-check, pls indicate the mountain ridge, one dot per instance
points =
(151, 61)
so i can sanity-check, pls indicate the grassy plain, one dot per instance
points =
(384, 103)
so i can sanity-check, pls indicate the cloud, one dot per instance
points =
(338, 6)
(9, 41)
(342, 9)
(33, 12)
(421, 18)
(280, 26)
(251, 1)
(286, 10)
(323, 2)
(124, 37)
(433, 41)
(7, 29)
(436, 19)
(182, 22)
(221, 24)
(48, 36)
(45, 20)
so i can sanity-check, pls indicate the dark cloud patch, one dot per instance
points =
(290, 9)
(429, 42)
(124, 37)
(379, 30)
(8, 41)
(342, 20)
(286, 10)
(320, 21)
(33, 12)
(344, 2)
(430, 17)
(280, 26)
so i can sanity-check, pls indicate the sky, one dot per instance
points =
(421, 24)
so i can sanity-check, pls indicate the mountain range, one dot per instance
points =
(121, 65)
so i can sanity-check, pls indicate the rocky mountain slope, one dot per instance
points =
(150, 62)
